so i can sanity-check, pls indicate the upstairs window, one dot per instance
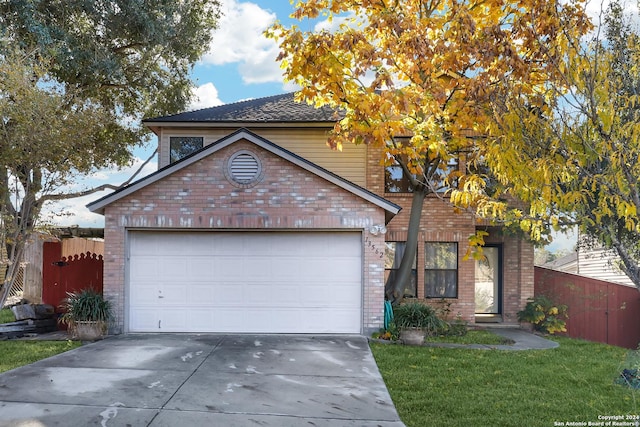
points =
(392, 257)
(396, 180)
(182, 146)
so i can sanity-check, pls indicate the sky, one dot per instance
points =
(240, 64)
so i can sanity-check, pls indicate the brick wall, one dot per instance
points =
(440, 223)
(517, 270)
(200, 197)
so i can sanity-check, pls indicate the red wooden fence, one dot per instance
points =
(598, 311)
(68, 274)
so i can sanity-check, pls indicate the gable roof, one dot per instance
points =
(273, 109)
(391, 209)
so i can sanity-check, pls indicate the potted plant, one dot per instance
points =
(415, 320)
(86, 313)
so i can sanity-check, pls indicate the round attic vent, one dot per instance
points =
(244, 167)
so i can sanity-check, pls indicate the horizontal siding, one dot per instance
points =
(571, 267)
(310, 143)
(602, 265)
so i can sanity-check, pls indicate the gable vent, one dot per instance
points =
(244, 167)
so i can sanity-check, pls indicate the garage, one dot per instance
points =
(245, 281)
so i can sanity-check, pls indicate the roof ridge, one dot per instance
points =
(225, 104)
(280, 108)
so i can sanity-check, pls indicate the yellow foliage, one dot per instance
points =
(434, 71)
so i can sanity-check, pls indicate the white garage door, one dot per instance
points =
(262, 282)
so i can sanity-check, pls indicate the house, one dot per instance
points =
(602, 264)
(252, 224)
(594, 262)
(567, 263)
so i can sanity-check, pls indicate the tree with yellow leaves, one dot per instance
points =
(419, 77)
(576, 160)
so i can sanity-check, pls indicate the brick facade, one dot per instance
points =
(440, 223)
(201, 197)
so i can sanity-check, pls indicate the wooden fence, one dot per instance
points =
(598, 311)
(62, 274)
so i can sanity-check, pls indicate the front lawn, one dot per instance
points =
(474, 336)
(15, 353)
(461, 387)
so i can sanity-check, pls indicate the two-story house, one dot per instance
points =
(253, 225)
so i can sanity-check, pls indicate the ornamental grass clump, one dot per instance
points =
(86, 313)
(85, 305)
(417, 315)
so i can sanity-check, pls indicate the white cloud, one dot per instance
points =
(240, 39)
(74, 212)
(563, 242)
(206, 96)
(597, 10)
(290, 87)
(594, 8)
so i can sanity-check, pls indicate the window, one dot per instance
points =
(392, 257)
(182, 146)
(441, 270)
(452, 165)
(396, 181)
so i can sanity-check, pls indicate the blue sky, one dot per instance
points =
(241, 62)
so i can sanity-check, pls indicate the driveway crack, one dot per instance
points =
(204, 359)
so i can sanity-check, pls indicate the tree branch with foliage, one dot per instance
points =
(580, 141)
(426, 71)
(75, 80)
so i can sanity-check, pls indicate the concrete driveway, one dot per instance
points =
(202, 380)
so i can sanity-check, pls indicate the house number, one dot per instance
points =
(373, 247)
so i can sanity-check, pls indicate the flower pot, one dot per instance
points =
(412, 336)
(87, 330)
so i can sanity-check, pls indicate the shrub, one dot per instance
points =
(85, 305)
(417, 315)
(544, 315)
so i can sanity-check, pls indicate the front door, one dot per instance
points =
(488, 288)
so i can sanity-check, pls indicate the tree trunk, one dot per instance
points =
(12, 273)
(395, 291)
(629, 264)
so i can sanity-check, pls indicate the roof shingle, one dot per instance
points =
(277, 108)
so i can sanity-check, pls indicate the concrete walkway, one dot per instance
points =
(523, 340)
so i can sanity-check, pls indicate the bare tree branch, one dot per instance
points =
(140, 168)
(63, 196)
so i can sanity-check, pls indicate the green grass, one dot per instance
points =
(17, 353)
(471, 337)
(6, 316)
(462, 387)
